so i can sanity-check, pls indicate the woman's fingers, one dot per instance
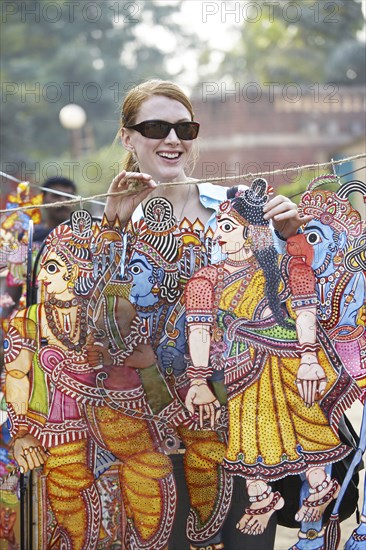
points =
(118, 180)
(123, 205)
(122, 180)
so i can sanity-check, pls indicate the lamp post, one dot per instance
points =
(73, 118)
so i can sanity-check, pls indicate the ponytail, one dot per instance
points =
(130, 163)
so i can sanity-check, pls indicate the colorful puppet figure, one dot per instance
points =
(45, 342)
(338, 237)
(156, 286)
(283, 392)
(122, 421)
(66, 394)
(14, 237)
(18, 222)
(159, 261)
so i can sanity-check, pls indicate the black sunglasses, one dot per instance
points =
(159, 129)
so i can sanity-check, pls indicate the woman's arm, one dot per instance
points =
(284, 215)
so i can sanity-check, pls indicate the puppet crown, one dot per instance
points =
(330, 208)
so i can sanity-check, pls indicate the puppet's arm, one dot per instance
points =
(311, 381)
(199, 296)
(19, 350)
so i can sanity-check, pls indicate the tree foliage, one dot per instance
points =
(302, 42)
(89, 53)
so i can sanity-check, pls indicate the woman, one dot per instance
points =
(158, 131)
(275, 371)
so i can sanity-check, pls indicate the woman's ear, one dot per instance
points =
(126, 140)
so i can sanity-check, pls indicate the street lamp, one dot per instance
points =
(73, 118)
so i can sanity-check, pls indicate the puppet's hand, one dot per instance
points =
(29, 453)
(311, 381)
(171, 357)
(95, 351)
(201, 397)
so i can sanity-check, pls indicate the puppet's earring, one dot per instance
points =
(155, 289)
(338, 258)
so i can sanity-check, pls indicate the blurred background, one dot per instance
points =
(275, 84)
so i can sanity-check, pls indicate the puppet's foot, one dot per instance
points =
(357, 540)
(313, 507)
(257, 516)
(311, 540)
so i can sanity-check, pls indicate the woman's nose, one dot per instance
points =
(172, 137)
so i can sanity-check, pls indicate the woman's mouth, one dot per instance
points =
(170, 156)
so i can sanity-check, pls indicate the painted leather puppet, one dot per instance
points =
(71, 385)
(283, 378)
(337, 234)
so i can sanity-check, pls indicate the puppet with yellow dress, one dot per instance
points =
(286, 386)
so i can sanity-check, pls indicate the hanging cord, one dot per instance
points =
(340, 176)
(48, 190)
(249, 176)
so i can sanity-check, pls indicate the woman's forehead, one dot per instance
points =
(163, 108)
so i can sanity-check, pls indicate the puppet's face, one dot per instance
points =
(141, 272)
(54, 274)
(321, 237)
(229, 234)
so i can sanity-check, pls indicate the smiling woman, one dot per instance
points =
(170, 229)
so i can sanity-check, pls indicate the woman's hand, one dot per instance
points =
(123, 206)
(201, 397)
(284, 215)
(29, 453)
(311, 381)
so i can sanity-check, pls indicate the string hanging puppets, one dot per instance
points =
(283, 392)
(64, 374)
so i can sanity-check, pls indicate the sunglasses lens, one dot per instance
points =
(187, 130)
(155, 130)
(158, 129)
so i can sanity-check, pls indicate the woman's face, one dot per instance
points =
(229, 234)
(54, 274)
(164, 159)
